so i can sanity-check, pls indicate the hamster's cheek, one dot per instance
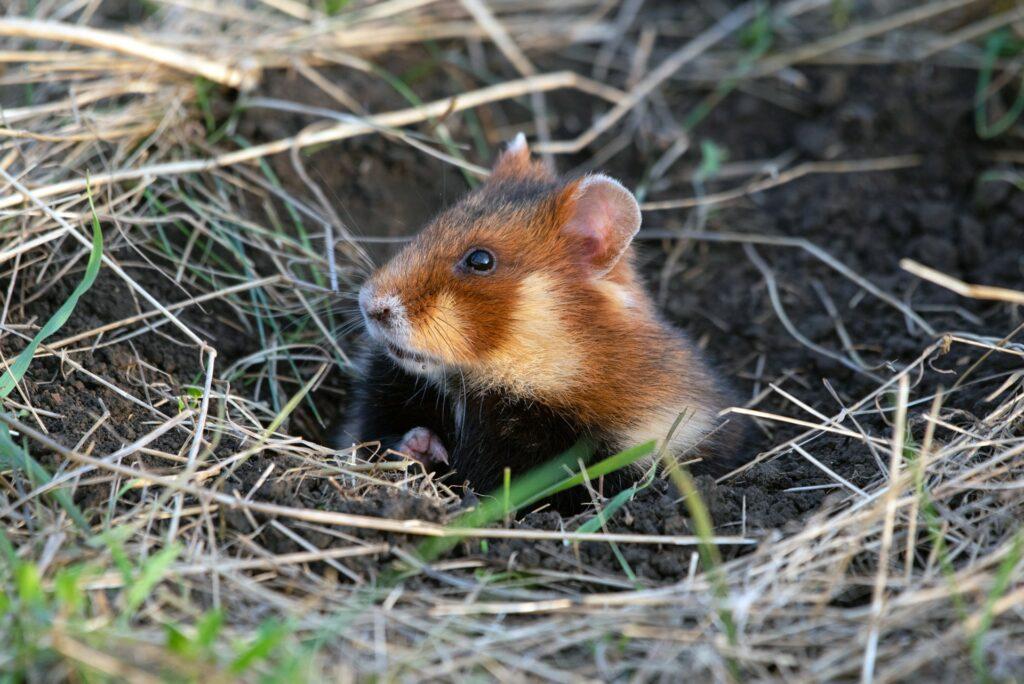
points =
(441, 330)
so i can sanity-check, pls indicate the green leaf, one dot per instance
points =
(30, 585)
(17, 370)
(177, 642)
(208, 628)
(153, 570)
(712, 157)
(68, 590)
(17, 458)
(267, 638)
(605, 514)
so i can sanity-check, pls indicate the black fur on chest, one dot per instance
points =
(484, 433)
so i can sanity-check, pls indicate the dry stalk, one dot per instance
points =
(242, 78)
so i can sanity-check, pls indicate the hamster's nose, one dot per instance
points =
(379, 312)
(378, 309)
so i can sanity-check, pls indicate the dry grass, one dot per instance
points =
(157, 585)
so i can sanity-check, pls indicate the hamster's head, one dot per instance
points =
(498, 287)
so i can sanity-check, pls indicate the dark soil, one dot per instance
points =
(941, 213)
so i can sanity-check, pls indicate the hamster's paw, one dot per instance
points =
(422, 445)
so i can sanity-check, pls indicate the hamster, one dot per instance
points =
(515, 324)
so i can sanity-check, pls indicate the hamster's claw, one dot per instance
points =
(421, 444)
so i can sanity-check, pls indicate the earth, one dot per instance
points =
(948, 211)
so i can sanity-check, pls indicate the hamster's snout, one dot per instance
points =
(379, 312)
(387, 322)
(375, 311)
(382, 313)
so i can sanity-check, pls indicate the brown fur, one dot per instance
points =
(543, 326)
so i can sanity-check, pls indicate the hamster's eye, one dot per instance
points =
(479, 261)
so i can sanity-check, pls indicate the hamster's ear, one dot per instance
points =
(516, 162)
(601, 218)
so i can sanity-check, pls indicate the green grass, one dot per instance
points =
(532, 487)
(32, 603)
(1001, 583)
(913, 455)
(712, 156)
(332, 7)
(1000, 44)
(17, 457)
(757, 39)
(223, 248)
(13, 455)
(16, 371)
(403, 89)
(37, 609)
(116, 587)
(710, 558)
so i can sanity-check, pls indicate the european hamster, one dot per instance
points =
(515, 323)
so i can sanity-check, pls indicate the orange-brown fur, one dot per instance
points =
(544, 326)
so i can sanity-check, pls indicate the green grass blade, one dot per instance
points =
(153, 570)
(17, 458)
(17, 370)
(538, 484)
(269, 635)
(1002, 582)
(709, 554)
(605, 514)
(986, 131)
(7, 552)
(609, 465)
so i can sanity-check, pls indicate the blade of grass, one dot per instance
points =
(999, 587)
(709, 555)
(538, 484)
(278, 420)
(268, 636)
(17, 370)
(993, 48)
(609, 465)
(17, 458)
(605, 514)
(153, 570)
